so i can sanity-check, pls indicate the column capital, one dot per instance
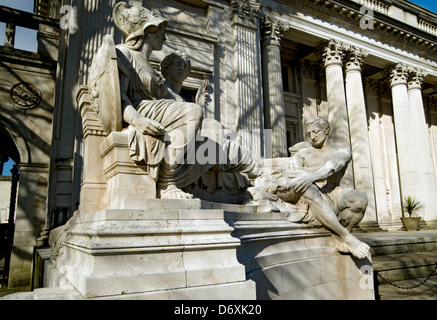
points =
(397, 74)
(416, 77)
(354, 58)
(245, 13)
(333, 53)
(272, 31)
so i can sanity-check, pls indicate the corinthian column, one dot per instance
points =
(360, 143)
(248, 75)
(337, 109)
(421, 137)
(405, 141)
(273, 88)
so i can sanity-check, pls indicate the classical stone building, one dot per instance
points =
(264, 67)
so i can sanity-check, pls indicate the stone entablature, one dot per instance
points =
(408, 13)
(418, 30)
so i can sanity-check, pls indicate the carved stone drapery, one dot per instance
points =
(272, 32)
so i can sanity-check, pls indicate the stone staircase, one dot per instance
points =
(402, 261)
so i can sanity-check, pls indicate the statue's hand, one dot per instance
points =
(148, 126)
(302, 182)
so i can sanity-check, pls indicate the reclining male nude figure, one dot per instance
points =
(313, 176)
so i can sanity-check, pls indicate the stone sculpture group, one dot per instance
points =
(163, 133)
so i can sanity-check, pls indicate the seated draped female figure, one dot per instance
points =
(162, 127)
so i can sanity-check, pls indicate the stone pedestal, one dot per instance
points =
(193, 249)
(153, 247)
(109, 174)
(124, 178)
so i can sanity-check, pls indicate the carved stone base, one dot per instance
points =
(166, 245)
(193, 249)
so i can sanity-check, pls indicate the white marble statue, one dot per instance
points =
(162, 126)
(311, 181)
(227, 180)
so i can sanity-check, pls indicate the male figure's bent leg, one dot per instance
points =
(352, 205)
(326, 215)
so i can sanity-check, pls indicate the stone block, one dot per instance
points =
(160, 247)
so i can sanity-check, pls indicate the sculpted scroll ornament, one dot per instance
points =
(105, 89)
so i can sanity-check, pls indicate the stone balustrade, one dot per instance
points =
(47, 31)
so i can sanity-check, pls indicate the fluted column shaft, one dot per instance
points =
(248, 76)
(421, 137)
(337, 108)
(405, 141)
(273, 87)
(360, 143)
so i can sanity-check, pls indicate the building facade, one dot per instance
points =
(262, 68)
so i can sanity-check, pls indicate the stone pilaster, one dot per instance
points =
(421, 137)
(273, 87)
(360, 143)
(248, 75)
(405, 141)
(333, 54)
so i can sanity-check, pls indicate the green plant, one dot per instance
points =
(411, 205)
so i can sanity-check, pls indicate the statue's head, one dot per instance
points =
(318, 130)
(135, 22)
(176, 64)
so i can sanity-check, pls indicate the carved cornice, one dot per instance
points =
(350, 13)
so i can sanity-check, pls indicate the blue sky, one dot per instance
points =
(427, 4)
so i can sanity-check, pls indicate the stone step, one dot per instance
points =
(186, 204)
(406, 246)
(403, 266)
(400, 242)
(426, 291)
